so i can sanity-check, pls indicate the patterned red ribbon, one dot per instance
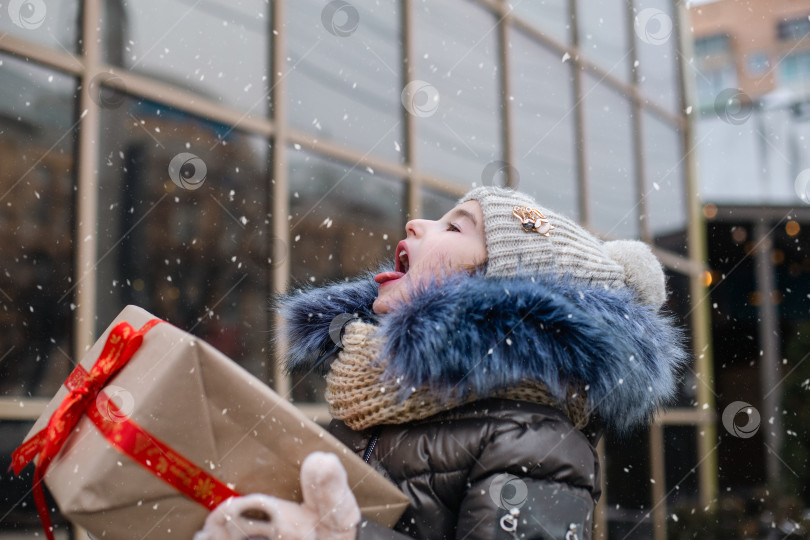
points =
(123, 433)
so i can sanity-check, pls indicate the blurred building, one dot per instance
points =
(752, 73)
(193, 158)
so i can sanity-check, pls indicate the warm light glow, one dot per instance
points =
(792, 228)
(710, 211)
(707, 278)
(739, 234)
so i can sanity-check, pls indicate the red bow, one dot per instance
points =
(84, 388)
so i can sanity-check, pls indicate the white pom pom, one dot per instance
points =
(642, 270)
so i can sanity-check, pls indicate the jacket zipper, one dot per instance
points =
(371, 444)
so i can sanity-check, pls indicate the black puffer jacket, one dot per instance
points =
(465, 469)
(497, 468)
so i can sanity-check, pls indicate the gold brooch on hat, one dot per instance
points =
(532, 220)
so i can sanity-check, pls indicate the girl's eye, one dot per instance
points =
(452, 227)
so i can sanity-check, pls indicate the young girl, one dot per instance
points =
(478, 376)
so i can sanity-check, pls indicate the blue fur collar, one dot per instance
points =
(475, 335)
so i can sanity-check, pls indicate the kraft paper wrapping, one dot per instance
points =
(214, 413)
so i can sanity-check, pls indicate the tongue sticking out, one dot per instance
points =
(387, 276)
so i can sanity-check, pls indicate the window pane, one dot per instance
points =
(793, 28)
(550, 16)
(183, 226)
(730, 159)
(737, 348)
(679, 303)
(346, 87)
(55, 24)
(17, 507)
(543, 119)
(603, 35)
(792, 272)
(37, 183)
(665, 189)
(435, 204)
(609, 161)
(460, 133)
(680, 458)
(344, 220)
(714, 69)
(216, 48)
(794, 72)
(656, 41)
(627, 463)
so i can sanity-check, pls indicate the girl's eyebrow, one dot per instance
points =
(464, 213)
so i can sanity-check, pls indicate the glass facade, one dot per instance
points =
(760, 302)
(545, 153)
(458, 129)
(181, 44)
(194, 159)
(38, 132)
(198, 257)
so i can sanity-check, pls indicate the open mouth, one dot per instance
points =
(401, 262)
(401, 265)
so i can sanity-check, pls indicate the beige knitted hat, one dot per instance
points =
(552, 243)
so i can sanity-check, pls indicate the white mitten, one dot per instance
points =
(329, 510)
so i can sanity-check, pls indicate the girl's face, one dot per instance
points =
(430, 249)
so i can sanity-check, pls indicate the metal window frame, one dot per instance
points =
(88, 63)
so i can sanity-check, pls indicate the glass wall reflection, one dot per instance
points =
(37, 182)
(543, 120)
(17, 506)
(435, 204)
(53, 24)
(345, 74)
(455, 94)
(665, 189)
(344, 219)
(627, 463)
(552, 17)
(613, 195)
(657, 54)
(679, 305)
(181, 43)
(604, 35)
(184, 226)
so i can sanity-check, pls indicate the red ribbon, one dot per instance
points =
(126, 435)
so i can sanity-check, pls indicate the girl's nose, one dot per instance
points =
(415, 227)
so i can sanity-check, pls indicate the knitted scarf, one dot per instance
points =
(356, 394)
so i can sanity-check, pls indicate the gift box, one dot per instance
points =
(166, 427)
